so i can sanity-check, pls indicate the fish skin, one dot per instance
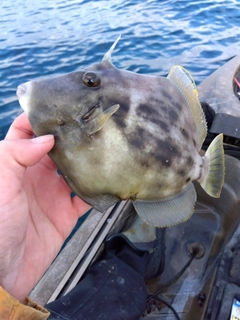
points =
(148, 149)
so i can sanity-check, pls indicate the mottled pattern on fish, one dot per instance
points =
(121, 135)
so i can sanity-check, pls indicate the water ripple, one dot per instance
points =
(44, 38)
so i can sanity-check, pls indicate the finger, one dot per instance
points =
(49, 164)
(16, 154)
(20, 128)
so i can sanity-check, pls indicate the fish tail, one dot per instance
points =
(213, 181)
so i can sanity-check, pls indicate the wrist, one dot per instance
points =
(11, 308)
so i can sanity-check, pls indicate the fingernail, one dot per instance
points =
(43, 139)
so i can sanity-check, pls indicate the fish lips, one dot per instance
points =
(23, 94)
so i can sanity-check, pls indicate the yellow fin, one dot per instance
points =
(168, 212)
(98, 122)
(186, 85)
(213, 181)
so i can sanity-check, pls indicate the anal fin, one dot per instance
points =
(168, 212)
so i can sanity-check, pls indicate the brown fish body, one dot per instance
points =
(121, 135)
(149, 142)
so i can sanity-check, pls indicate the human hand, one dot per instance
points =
(36, 210)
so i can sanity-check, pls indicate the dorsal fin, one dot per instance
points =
(107, 56)
(185, 84)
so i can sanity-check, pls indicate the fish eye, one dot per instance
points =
(91, 79)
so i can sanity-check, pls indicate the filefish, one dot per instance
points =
(122, 135)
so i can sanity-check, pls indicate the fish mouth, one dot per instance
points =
(21, 90)
(23, 94)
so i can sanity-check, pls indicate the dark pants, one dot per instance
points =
(112, 288)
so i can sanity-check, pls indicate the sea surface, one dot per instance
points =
(41, 38)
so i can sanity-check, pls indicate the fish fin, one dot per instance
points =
(96, 124)
(107, 56)
(186, 85)
(213, 181)
(168, 212)
(104, 202)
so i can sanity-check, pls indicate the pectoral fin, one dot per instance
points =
(168, 212)
(96, 124)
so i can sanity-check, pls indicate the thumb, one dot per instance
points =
(19, 153)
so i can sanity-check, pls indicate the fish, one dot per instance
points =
(122, 135)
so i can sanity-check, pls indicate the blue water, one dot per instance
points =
(40, 38)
